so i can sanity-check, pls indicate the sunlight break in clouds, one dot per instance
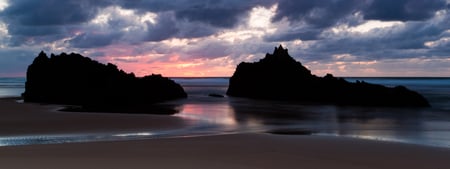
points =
(3, 31)
(106, 15)
(3, 4)
(260, 17)
(257, 25)
(374, 24)
(194, 56)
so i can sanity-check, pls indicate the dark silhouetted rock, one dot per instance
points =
(215, 95)
(76, 80)
(280, 77)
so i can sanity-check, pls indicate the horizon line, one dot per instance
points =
(192, 77)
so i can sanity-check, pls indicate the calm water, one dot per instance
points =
(11, 87)
(428, 126)
(210, 115)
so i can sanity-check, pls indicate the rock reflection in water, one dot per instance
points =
(391, 124)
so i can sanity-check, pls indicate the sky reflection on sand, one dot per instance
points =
(214, 113)
(383, 124)
(236, 115)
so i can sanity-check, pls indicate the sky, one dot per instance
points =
(178, 38)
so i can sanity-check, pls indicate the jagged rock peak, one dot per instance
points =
(279, 54)
(42, 57)
(280, 51)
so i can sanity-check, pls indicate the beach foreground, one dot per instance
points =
(245, 150)
(30, 119)
(228, 151)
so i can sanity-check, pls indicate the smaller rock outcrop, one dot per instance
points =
(76, 80)
(278, 76)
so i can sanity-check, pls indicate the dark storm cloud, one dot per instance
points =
(30, 18)
(195, 30)
(18, 40)
(407, 41)
(14, 29)
(325, 13)
(309, 18)
(34, 25)
(294, 35)
(31, 21)
(225, 18)
(218, 13)
(403, 10)
(318, 13)
(151, 5)
(164, 28)
(167, 26)
(223, 13)
(46, 21)
(87, 40)
(35, 35)
(51, 12)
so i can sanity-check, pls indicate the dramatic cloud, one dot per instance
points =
(319, 13)
(220, 13)
(164, 28)
(86, 40)
(51, 12)
(403, 10)
(208, 38)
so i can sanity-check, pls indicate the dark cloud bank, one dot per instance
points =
(310, 21)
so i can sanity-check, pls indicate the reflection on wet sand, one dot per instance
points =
(244, 115)
(221, 114)
(428, 126)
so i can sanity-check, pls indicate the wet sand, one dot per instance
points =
(29, 119)
(251, 150)
(228, 151)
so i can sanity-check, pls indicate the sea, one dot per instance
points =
(11, 87)
(227, 115)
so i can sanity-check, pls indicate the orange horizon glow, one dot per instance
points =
(177, 65)
(196, 69)
(176, 68)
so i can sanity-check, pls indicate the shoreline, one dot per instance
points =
(228, 151)
(232, 150)
(47, 124)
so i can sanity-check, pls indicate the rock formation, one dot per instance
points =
(76, 80)
(280, 77)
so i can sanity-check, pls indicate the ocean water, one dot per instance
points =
(11, 87)
(213, 115)
(425, 126)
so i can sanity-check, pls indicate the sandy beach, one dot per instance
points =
(228, 151)
(248, 150)
(29, 119)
